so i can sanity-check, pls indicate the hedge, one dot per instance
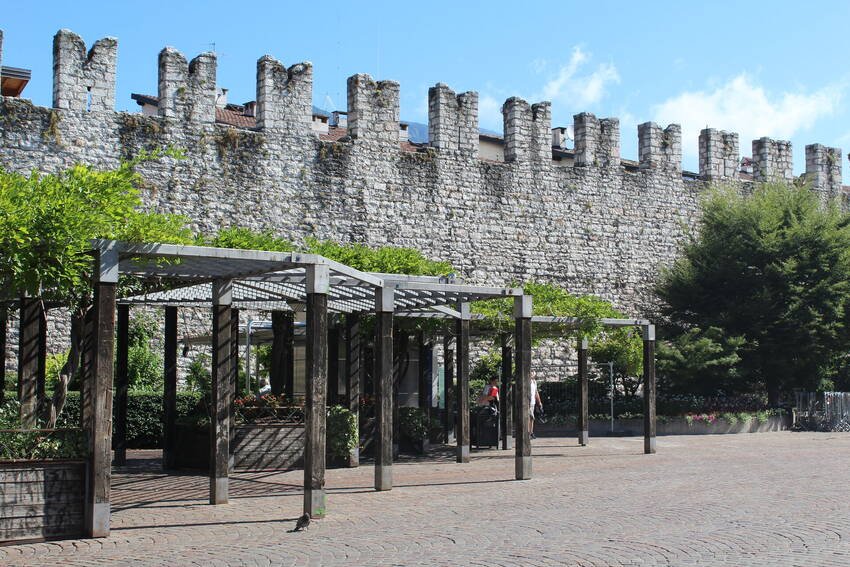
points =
(144, 416)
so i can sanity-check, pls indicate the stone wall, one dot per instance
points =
(597, 227)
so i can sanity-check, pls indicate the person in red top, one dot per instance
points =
(491, 393)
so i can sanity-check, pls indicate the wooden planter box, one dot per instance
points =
(42, 500)
(252, 447)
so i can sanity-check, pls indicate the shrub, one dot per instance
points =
(342, 433)
(413, 423)
(36, 444)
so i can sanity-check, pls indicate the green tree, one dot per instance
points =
(46, 225)
(702, 362)
(774, 268)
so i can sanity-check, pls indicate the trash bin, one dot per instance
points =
(484, 430)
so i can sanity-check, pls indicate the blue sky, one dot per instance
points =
(761, 69)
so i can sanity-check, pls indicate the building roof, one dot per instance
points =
(13, 80)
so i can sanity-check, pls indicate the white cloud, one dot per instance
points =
(577, 90)
(490, 113)
(740, 105)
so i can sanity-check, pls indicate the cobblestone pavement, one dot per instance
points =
(758, 499)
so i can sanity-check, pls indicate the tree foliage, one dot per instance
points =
(384, 259)
(700, 362)
(773, 268)
(48, 221)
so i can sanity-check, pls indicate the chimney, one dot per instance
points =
(559, 137)
(403, 135)
(250, 108)
(221, 98)
(340, 119)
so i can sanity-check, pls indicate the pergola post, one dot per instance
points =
(222, 370)
(353, 368)
(448, 386)
(234, 351)
(29, 360)
(333, 365)
(102, 370)
(281, 371)
(582, 418)
(424, 389)
(462, 332)
(169, 399)
(649, 389)
(86, 379)
(4, 324)
(384, 306)
(318, 286)
(522, 404)
(122, 345)
(505, 398)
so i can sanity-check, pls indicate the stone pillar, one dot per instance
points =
(448, 387)
(83, 81)
(384, 307)
(597, 141)
(649, 389)
(505, 397)
(29, 360)
(823, 169)
(582, 421)
(373, 112)
(102, 370)
(660, 149)
(187, 91)
(453, 120)
(522, 343)
(122, 382)
(462, 388)
(718, 155)
(284, 96)
(772, 160)
(169, 399)
(222, 394)
(353, 374)
(316, 365)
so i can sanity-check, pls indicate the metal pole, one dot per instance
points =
(611, 391)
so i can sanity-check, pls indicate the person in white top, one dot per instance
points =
(534, 400)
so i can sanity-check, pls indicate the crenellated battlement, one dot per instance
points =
(772, 160)
(453, 120)
(528, 129)
(187, 90)
(373, 111)
(718, 154)
(597, 141)
(823, 169)
(660, 149)
(498, 208)
(284, 96)
(83, 81)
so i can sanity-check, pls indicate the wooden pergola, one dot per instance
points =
(555, 327)
(228, 279)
